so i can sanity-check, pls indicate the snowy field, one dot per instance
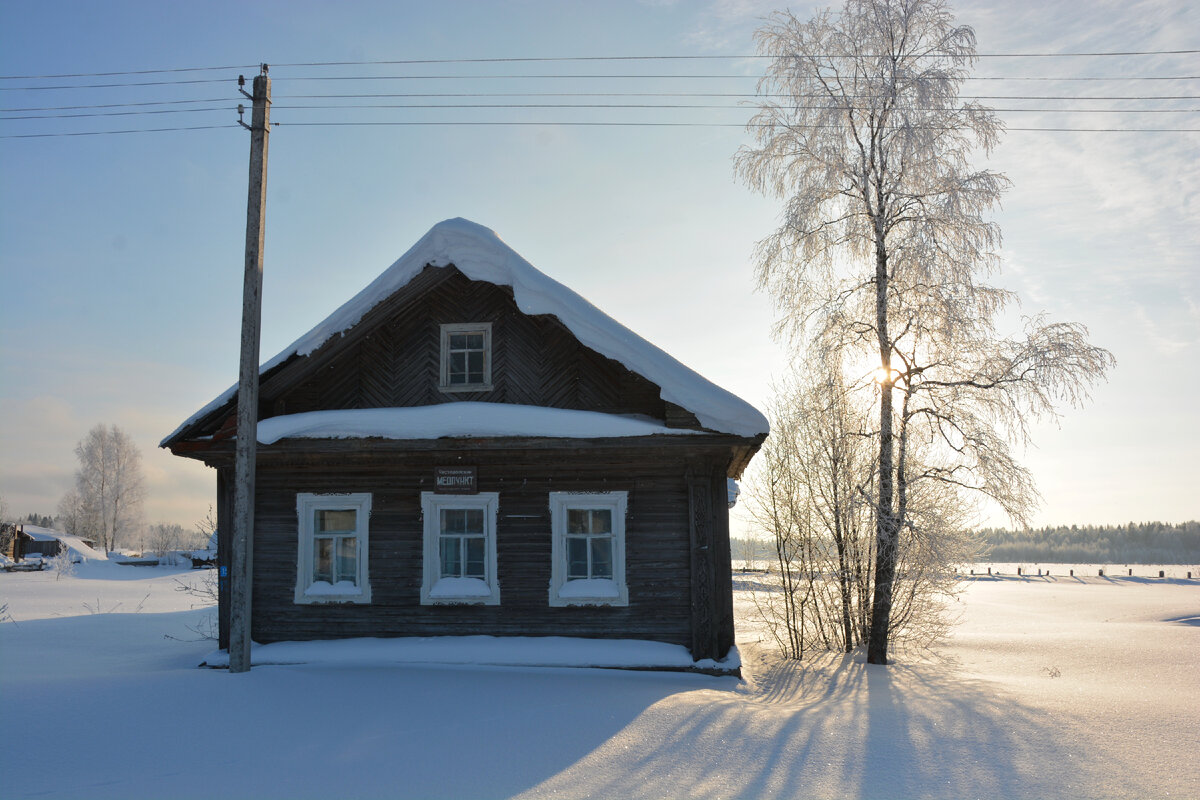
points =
(1050, 687)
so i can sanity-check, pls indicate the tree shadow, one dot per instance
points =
(835, 727)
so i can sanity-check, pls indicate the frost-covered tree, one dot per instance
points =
(163, 537)
(73, 517)
(106, 503)
(884, 248)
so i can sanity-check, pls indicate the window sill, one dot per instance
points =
(460, 592)
(595, 592)
(465, 387)
(320, 593)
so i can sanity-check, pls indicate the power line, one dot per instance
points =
(111, 85)
(127, 72)
(551, 59)
(579, 106)
(116, 105)
(700, 94)
(743, 95)
(546, 123)
(554, 76)
(225, 108)
(548, 59)
(110, 133)
(643, 76)
(686, 125)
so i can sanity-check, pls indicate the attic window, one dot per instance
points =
(466, 357)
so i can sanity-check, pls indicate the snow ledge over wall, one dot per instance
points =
(481, 255)
(466, 419)
(497, 651)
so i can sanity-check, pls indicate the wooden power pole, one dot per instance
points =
(242, 573)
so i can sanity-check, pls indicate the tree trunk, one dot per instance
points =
(886, 533)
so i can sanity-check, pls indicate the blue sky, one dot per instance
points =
(121, 256)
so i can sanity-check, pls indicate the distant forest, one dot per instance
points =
(1135, 543)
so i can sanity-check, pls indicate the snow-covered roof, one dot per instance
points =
(40, 534)
(459, 420)
(480, 254)
(73, 543)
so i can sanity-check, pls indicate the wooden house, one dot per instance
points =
(469, 447)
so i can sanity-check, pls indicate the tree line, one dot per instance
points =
(1132, 543)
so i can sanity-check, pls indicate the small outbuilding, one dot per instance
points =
(469, 447)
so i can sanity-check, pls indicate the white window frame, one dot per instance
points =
(431, 504)
(444, 376)
(307, 504)
(614, 592)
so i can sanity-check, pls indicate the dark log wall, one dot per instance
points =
(659, 544)
(392, 359)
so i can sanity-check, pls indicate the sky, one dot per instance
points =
(121, 256)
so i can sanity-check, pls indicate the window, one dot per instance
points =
(460, 549)
(331, 563)
(588, 549)
(466, 357)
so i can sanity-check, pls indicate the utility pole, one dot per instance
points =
(242, 573)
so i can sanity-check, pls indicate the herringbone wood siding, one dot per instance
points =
(391, 359)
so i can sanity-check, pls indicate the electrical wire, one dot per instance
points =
(527, 106)
(576, 76)
(285, 102)
(743, 95)
(615, 76)
(109, 133)
(548, 59)
(543, 123)
(680, 125)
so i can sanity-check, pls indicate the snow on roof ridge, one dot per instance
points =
(481, 255)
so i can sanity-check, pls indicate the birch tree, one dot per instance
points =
(109, 489)
(810, 493)
(884, 249)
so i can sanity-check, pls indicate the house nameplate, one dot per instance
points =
(454, 480)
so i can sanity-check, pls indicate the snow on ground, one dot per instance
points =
(1051, 687)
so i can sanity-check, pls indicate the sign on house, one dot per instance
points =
(454, 480)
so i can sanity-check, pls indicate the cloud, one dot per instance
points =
(729, 25)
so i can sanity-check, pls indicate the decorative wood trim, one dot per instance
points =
(704, 634)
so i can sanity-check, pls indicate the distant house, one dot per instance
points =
(35, 541)
(469, 447)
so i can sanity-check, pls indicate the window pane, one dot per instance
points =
(601, 557)
(335, 520)
(475, 367)
(347, 559)
(577, 520)
(458, 341)
(462, 520)
(474, 340)
(601, 520)
(577, 562)
(475, 551)
(458, 367)
(323, 560)
(451, 556)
